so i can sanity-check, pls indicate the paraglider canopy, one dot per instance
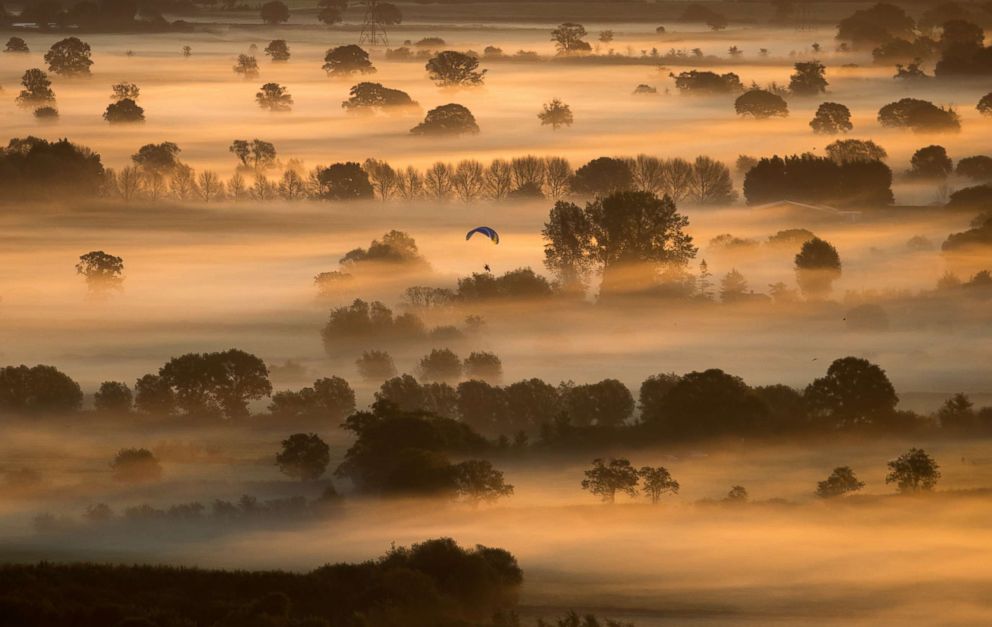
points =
(484, 230)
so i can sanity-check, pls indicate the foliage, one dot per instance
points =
(854, 393)
(367, 95)
(38, 390)
(919, 116)
(761, 104)
(347, 60)
(303, 456)
(605, 479)
(840, 482)
(69, 57)
(807, 178)
(454, 69)
(914, 471)
(449, 119)
(831, 118)
(123, 111)
(556, 113)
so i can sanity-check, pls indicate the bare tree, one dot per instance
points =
(383, 177)
(557, 175)
(410, 184)
(438, 181)
(263, 189)
(711, 182)
(236, 187)
(292, 186)
(467, 180)
(183, 183)
(130, 183)
(648, 174)
(498, 179)
(678, 178)
(528, 172)
(210, 186)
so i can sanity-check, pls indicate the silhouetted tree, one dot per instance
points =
(840, 482)
(344, 181)
(37, 390)
(395, 248)
(733, 287)
(136, 465)
(817, 267)
(440, 365)
(568, 38)
(113, 397)
(709, 184)
(605, 404)
(737, 494)
(153, 395)
(605, 479)
(454, 69)
(879, 23)
(855, 150)
(328, 399)
(957, 414)
(914, 471)
(274, 12)
(761, 104)
(37, 88)
(657, 481)
(808, 79)
(214, 384)
(247, 66)
(977, 168)
(256, 154)
(449, 119)
(101, 271)
(331, 11)
(303, 456)
(556, 113)
(274, 97)
(854, 392)
(69, 57)
(707, 403)
(919, 116)
(372, 323)
(984, 105)
(16, 45)
(531, 403)
(831, 118)
(347, 60)
(696, 82)
(484, 407)
(278, 50)
(932, 163)
(160, 159)
(483, 366)
(602, 176)
(476, 480)
(366, 96)
(807, 178)
(124, 111)
(376, 365)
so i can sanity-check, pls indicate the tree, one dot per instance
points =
(449, 119)
(476, 480)
(855, 151)
(347, 60)
(153, 395)
(388, 14)
(556, 113)
(817, 267)
(125, 110)
(376, 366)
(812, 179)
(38, 390)
(120, 91)
(274, 12)
(737, 494)
(454, 69)
(657, 481)
(16, 45)
(37, 88)
(984, 105)
(710, 182)
(957, 414)
(366, 96)
(931, 163)
(136, 465)
(761, 104)
(101, 270)
(854, 392)
(530, 404)
(733, 287)
(46, 113)
(914, 471)
(696, 82)
(157, 158)
(113, 397)
(705, 404)
(278, 50)
(840, 482)
(274, 97)
(344, 181)
(256, 154)
(331, 10)
(831, 118)
(605, 479)
(440, 365)
(568, 38)
(808, 79)
(216, 384)
(919, 116)
(605, 404)
(483, 366)
(69, 57)
(977, 168)
(626, 236)
(603, 176)
(303, 456)
(247, 66)
(874, 25)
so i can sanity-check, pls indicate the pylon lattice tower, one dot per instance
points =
(373, 32)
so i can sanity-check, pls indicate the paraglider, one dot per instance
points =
(484, 230)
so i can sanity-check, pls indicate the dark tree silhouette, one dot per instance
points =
(157, 158)
(37, 88)
(331, 11)
(931, 163)
(977, 168)
(808, 79)
(113, 397)
(737, 494)
(216, 384)
(568, 38)
(440, 365)
(530, 404)
(347, 60)
(376, 366)
(840, 482)
(274, 12)
(806, 178)
(702, 404)
(476, 480)
(256, 154)
(627, 236)
(154, 396)
(17, 45)
(36, 168)
(855, 150)
(817, 267)
(395, 248)
(344, 181)
(120, 91)
(449, 119)
(123, 111)
(38, 390)
(136, 465)
(556, 113)
(483, 366)
(69, 57)
(328, 399)
(603, 176)
(605, 404)
(854, 393)
(274, 97)
(605, 479)
(704, 14)
(101, 270)
(760, 104)
(388, 14)
(707, 83)
(919, 116)
(985, 104)
(914, 471)
(367, 96)
(407, 395)
(46, 113)
(484, 407)
(958, 414)
(303, 456)
(369, 323)
(247, 66)
(656, 482)
(454, 69)
(278, 50)
(831, 118)
(874, 25)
